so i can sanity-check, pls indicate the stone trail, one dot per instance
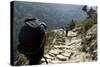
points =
(66, 52)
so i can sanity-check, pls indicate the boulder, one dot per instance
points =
(58, 32)
(56, 62)
(51, 54)
(54, 52)
(72, 34)
(48, 56)
(61, 57)
(66, 54)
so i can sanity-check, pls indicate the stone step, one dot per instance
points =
(61, 57)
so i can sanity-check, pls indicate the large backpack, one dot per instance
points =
(32, 39)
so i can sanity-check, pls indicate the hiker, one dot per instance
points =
(32, 39)
(67, 28)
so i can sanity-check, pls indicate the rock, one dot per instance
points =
(48, 56)
(56, 62)
(42, 60)
(54, 52)
(77, 28)
(59, 42)
(66, 54)
(60, 46)
(48, 60)
(74, 38)
(51, 54)
(91, 33)
(59, 51)
(61, 57)
(74, 42)
(21, 59)
(81, 57)
(59, 32)
(72, 34)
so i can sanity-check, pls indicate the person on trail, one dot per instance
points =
(67, 28)
(32, 39)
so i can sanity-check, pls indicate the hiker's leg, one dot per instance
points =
(66, 33)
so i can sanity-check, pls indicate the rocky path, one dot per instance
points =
(66, 51)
